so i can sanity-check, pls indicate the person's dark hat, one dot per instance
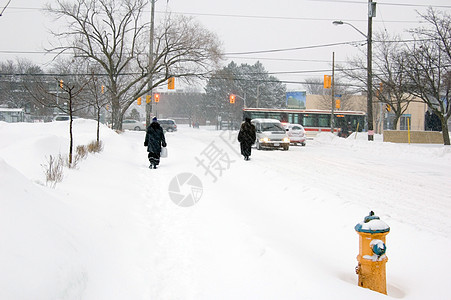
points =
(154, 119)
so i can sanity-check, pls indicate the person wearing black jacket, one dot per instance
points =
(246, 137)
(154, 140)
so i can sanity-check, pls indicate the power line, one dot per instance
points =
(383, 3)
(230, 54)
(280, 17)
(226, 54)
(292, 72)
(3, 10)
(414, 5)
(24, 52)
(293, 49)
(236, 77)
(279, 59)
(138, 73)
(352, 43)
(285, 17)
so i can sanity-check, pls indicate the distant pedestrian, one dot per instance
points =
(154, 140)
(246, 137)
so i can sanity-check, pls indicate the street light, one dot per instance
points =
(369, 54)
(341, 23)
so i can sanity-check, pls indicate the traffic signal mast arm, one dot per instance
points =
(233, 97)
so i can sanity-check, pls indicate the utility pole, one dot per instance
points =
(369, 65)
(149, 86)
(332, 115)
(371, 14)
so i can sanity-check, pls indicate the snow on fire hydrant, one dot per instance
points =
(372, 258)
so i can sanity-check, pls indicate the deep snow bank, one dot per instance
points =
(41, 247)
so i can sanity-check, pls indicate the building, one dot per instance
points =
(12, 115)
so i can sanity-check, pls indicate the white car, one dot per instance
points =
(129, 124)
(270, 134)
(296, 133)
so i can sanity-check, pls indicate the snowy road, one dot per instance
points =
(290, 207)
(400, 181)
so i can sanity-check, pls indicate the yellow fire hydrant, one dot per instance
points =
(372, 258)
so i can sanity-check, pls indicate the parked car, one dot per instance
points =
(129, 124)
(64, 118)
(270, 134)
(296, 133)
(168, 125)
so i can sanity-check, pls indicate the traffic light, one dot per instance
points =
(157, 98)
(139, 100)
(148, 98)
(337, 103)
(171, 83)
(232, 98)
(379, 90)
(388, 107)
(102, 89)
(327, 81)
(61, 83)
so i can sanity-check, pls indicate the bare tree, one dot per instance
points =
(314, 86)
(110, 33)
(390, 74)
(14, 75)
(63, 93)
(252, 86)
(428, 65)
(96, 98)
(342, 92)
(389, 82)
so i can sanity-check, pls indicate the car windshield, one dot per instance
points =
(272, 127)
(296, 128)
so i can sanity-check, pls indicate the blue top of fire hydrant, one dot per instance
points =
(372, 224)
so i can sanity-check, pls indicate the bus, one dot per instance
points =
(313, 120)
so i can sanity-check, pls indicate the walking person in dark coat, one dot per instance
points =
(154, 140)
(246, 137)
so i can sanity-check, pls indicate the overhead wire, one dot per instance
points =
(358, 42)
(279, 17)
(283, 17)
(280, 59)
(384, 3)
(270, 17)
(4, 8)
(292, 49)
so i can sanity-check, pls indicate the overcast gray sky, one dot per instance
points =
(246, 26)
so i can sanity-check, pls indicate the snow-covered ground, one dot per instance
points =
(280, 226)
